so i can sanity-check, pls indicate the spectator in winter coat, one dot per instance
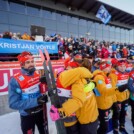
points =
(7, 35)
(99, 52)
(25, 36)
(95, 64)
(110, 51)
(105, 52)
(84, 51)
(118, 55)
(14, 36)
(69, 51)
(125, 52)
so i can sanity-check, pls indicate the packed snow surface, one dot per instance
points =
(10, 124)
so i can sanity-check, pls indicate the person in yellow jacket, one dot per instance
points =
(121, 97)
(71, 123)
(106, 88)
(25, 36)
(115, 107)
(82, 102)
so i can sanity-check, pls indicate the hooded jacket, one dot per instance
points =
(122, 93)
(21, 95)
(106, 87)
(82, 103)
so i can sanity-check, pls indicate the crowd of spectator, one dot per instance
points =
(87, 48)
(16, 36)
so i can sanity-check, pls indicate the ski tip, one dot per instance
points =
(42, 56)
(47, 54)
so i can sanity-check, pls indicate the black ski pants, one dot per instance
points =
(119, 113)
(90, 128)
(104, 121)
(28, 123)
(73, 129)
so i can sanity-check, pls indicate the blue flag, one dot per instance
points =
(103, 14)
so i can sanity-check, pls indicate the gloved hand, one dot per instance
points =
(89, 87)
(42, 99)
(123, 88)
(56, 113)
(43, 79)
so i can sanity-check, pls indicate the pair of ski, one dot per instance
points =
(52, 91)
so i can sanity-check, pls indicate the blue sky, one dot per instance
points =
(125, 5)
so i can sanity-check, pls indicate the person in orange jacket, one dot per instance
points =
(25, 36)
(121, 97)
(106, 88)
(81, 102)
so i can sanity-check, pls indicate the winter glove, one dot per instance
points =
(89, 87)
(123, 88)
(42, 99)
(43, 79)
(56, 113)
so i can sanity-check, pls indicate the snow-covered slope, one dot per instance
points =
(10, 124)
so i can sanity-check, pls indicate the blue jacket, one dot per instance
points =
(114, 47)
(15, 96)
(118, 55)
(131, 88)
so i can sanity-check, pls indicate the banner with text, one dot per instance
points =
(18, 46)
(8, 69)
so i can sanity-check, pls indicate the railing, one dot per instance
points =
(36, 57)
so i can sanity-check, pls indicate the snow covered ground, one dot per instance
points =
(10, 124)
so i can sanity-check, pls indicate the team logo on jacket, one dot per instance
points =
(21, 78)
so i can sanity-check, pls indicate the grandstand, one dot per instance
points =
(66, 17)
